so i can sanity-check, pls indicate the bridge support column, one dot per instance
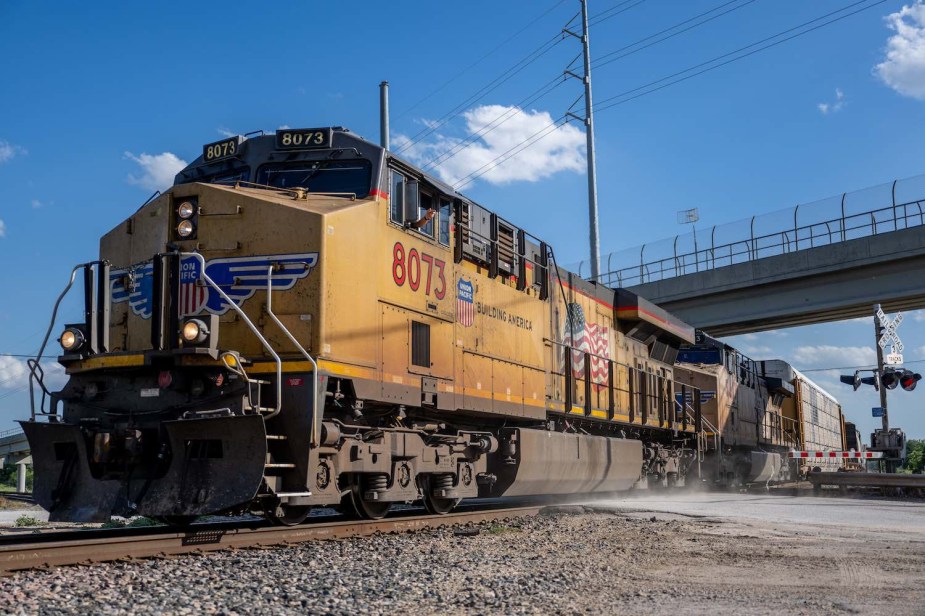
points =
(21, 477)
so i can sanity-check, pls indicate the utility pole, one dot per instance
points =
(589, 136)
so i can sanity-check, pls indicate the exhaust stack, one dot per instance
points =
(384, 114)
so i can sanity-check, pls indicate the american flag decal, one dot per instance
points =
(193, 296)
(465, 306)
(591, 338)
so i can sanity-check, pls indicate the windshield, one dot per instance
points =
(320, 176)
(229, 177)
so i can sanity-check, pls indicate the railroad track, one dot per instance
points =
(21, 498)
(59, 548)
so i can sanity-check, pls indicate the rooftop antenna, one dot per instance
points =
(690, 217)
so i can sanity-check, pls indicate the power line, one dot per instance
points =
(648, 89)
(523, 145)
(480, 60)
(504, 156)
(490, 87)
(497, 122)
(13, 392)
(603, 15)
(509, 114)
(602, 61)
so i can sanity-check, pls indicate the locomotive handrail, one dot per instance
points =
(36, 374)
(316, 416)
(644, 398)
(279, 363)
(298, 192)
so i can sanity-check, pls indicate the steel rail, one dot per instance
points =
(74, 548)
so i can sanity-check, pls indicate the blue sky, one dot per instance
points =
(102, 101)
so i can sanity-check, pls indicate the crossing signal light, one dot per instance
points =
(854, 381)
(909, 379)
(891, 378)
(872, 380)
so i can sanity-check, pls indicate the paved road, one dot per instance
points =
(874, 516)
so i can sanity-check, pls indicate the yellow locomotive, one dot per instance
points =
(755, 412)
(305, 319)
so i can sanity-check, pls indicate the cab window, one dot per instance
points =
(426, 203)
(444, 221)
(396, 197)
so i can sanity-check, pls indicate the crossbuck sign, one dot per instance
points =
(894, 357)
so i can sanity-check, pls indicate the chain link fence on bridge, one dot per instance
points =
(880, 209)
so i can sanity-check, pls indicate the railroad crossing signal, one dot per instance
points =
(909, 379)
(889, 336)
(890, 378)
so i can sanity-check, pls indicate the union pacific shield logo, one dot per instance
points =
(239, 278)
(465, 307)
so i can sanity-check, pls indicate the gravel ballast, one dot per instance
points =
(568, 560)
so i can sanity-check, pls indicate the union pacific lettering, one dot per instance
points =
(502, 315)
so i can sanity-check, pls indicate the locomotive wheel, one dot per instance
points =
(354, 504)
(433, 504)
(289, 515)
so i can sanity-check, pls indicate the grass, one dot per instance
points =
(27, 520)
(139, 522)
(500, 529)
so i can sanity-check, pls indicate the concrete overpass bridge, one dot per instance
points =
(14, 449)
(826, 261)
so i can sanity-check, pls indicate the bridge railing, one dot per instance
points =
(635, 266)
(8, 433)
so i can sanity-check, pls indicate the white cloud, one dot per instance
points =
(284, 127)
(13, 373)
(501, 131)
(825, 355)
(36, 204)
(224, 132)
(904, 67)
(159, 169)
(918, 315)
(2, 228)
(757, 351)
(835, 105)
(9, 150)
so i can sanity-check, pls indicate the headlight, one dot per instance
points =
(186, 210)
(71, 339)
(195, 331)
(185, 228)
